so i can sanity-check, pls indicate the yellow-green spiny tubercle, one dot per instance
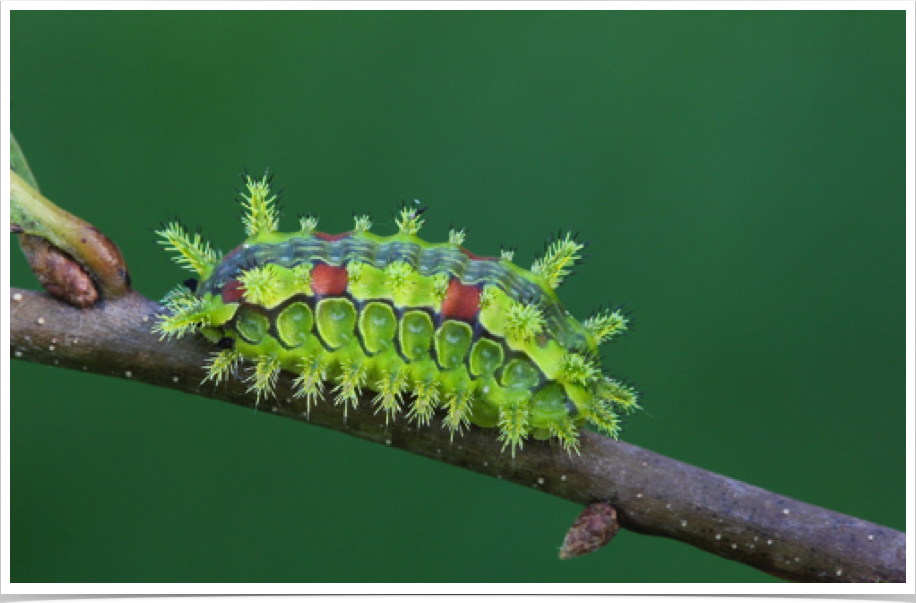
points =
(425, 326)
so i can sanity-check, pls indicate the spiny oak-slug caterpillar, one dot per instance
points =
(429, 325)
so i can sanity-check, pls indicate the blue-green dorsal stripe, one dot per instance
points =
(426, 260)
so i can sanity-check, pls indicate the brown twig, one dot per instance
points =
(652, 494)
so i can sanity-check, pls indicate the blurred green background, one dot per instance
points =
(740, 176)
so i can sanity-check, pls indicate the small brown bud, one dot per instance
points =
(58, 273)
(594, 528)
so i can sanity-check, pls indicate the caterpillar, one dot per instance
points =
(426, 326)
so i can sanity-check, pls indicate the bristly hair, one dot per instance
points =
(605, 325)
(524, 320)
(261, 215)
(194, 254)
(408, 220)
(560, 255)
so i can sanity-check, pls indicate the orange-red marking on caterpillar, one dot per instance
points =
(329, 280)
(232, 291)
(461, 301)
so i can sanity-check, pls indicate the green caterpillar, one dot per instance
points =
(479, 337)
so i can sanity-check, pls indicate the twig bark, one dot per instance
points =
(652, 494)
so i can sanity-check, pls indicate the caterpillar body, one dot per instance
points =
(426, 326)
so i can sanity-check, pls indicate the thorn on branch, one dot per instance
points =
(595, 527)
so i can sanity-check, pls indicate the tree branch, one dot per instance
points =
(652, 494)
